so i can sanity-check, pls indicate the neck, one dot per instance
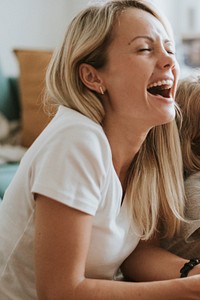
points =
(125, 142)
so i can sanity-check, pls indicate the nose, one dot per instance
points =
(167, 60)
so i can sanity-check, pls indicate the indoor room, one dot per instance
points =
(99, 149)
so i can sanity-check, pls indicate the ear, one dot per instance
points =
(90, 77)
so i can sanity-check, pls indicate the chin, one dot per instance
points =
(169, 118)
(166, 116)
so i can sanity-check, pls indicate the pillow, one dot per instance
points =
(9, 102)
(7, 172)
(32, 69)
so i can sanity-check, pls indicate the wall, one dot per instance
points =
(41, 23)
(188, 13)
(32, 24)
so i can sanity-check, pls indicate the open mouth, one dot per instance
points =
(162, 88)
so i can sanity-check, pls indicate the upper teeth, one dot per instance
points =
(168, 82)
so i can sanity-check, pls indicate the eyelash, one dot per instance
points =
(145, 49)
(171, 52)
(150, 49)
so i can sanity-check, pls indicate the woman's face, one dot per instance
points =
(140, 76)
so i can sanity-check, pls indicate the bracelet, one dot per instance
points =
(189, 266)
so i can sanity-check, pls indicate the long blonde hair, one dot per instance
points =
(188, 99)
(155, 187)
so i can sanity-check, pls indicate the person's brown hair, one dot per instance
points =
(188, 99)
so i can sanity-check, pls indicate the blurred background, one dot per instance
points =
(40, 24)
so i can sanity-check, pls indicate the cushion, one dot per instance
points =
(7, 172)
(9, 102)
(32, 69)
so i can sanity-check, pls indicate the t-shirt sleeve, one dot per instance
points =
(71, 168)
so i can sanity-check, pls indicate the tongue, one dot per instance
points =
(153, 90)
(157, 90)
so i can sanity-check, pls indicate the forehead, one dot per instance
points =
(134, 21)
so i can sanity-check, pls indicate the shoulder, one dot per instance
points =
(74, 137)
(75, 129)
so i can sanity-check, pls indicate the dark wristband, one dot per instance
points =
(189, 266)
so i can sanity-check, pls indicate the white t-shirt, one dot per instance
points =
(71, 162)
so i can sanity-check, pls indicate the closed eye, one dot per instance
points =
(171, 52)
(145, 49)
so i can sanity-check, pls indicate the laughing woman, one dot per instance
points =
(94, 188)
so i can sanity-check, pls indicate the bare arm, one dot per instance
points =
(62, 239)
(150, 262)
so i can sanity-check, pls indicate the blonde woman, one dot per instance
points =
(187, 244)
(92, 191)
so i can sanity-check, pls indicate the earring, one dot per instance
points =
(101, 90)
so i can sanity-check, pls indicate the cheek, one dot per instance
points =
(176, 74)
(123, 75)
(177, 70)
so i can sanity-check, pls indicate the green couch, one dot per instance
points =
(21, 100)
(10, 108)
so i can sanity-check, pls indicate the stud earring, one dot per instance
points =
(101, 90)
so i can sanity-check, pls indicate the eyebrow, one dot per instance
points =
(148, 38)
